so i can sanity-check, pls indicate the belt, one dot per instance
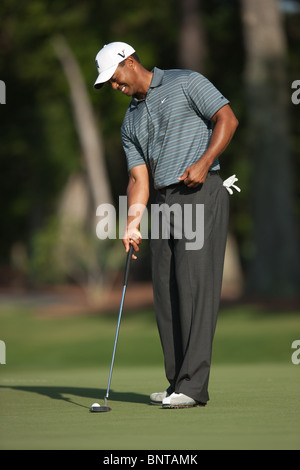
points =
(178, 185)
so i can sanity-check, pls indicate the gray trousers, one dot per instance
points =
(187, 283)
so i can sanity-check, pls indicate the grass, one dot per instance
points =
(57, 367)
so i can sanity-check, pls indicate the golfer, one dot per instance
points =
(176, 127)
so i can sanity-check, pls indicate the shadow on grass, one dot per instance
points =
(95, 394)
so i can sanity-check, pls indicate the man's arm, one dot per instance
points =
(225, 124)
(137, 195)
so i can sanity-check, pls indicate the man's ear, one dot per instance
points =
(130, 62)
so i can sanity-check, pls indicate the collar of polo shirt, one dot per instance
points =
(155, 82)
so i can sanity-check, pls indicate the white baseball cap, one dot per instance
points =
(108, 59)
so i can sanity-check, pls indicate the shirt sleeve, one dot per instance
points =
(133, 152)
(204, 97)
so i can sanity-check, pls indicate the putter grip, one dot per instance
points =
(128, 260)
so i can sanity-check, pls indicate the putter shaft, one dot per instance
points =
(115, 345)
(129, 255)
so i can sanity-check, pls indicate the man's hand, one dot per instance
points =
(195, 174)
(132, 237)
(138, 195)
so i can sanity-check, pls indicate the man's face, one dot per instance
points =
(124, 80)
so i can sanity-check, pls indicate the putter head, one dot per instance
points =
(99, 409)
(96, 408)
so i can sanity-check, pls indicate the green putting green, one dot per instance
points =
(57, 367)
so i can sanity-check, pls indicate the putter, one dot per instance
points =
(99, 409)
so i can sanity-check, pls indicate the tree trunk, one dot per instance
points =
(192, 44)
(88, 131)
(77, 246)
(275, 263)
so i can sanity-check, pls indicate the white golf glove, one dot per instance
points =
(229, 183)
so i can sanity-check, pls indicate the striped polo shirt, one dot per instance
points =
(171, 129)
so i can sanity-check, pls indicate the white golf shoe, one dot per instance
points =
(157, 398)
(179, 400)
